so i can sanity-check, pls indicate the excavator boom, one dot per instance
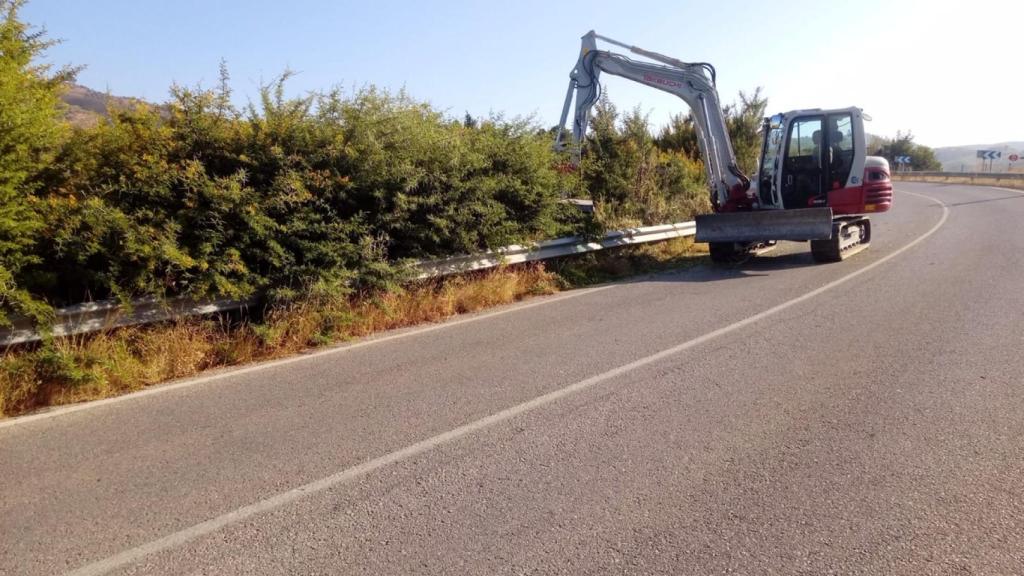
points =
(693, 83)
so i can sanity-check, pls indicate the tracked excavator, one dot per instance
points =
(814, 183)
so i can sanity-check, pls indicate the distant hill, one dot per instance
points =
(86, 106)
(964, 158)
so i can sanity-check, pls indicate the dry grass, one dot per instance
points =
(107, 364)
(599, 267)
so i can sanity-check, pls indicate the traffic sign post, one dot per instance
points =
(989, 156)
(902, 163)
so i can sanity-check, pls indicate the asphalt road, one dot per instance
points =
(778, 417)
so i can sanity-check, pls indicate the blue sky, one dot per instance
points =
(948, 71)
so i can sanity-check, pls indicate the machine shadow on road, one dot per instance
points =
(754, 266)
(956, 204)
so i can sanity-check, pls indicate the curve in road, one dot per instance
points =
(670, 437)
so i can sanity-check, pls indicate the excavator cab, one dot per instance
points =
(809, 154)
(811, 184)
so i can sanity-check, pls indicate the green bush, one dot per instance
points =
(197, 198)
(633, 179)
(327, 192)
(30, 117)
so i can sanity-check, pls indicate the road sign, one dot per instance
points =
(989, 154)
(1014, 157)
(902, 159)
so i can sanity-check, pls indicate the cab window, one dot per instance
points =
(802, 136)
(840, 132)
(771, 152)
(802, 172)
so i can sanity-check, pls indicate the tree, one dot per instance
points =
(679, 135)
(743, 121)
(635, 178)
(921, 157)
(32, 120)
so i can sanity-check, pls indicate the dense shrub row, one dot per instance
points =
(197, 197)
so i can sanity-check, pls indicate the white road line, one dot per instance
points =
(232, 372)
(191, 533)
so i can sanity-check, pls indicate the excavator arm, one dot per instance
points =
(694, 83)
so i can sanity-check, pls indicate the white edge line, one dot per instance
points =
(188, 534)
(301, 357)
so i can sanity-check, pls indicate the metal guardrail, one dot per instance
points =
(516, 254)
(104, 315)
(107, 314)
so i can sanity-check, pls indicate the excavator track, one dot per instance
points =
(849, 236)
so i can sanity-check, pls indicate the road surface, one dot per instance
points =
(776, 417)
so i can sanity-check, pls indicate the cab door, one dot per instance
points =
(770, 166)
(824, 153)
(803, 175)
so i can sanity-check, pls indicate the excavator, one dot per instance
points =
(814, 183)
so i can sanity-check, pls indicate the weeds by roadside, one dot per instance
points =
(79, 368)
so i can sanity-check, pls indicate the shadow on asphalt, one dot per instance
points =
(955, 204)
(756, 266)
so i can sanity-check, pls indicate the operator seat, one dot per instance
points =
(816, 152)
(837, 165)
